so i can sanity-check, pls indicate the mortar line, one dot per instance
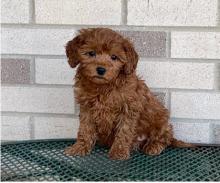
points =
(32, 70)
(116, 27)
(144, 59)
(211, 133)
(188, 90)
(36, 114)
(49, 86)
(162, 90)
(59, 86)
(124, 12)
(34, 14)
(169, 45)
(189, 60)
(192, 120)
(31, 12)
(185, 90)
(75, 116)
(218, 13)
(169, 100)
(32, 128)
(29, 56)
(217, 77)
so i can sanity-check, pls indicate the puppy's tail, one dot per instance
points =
(179, 143)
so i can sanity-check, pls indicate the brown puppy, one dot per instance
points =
(117, 109)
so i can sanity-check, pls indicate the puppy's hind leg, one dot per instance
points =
(158, 141)
(153, 148)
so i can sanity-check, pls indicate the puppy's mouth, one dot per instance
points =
(99, 77)
(99, 80)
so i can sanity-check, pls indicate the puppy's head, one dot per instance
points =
(102, 54)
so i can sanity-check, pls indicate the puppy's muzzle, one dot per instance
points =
(100, 70)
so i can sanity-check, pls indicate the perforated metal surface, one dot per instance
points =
(45, 161)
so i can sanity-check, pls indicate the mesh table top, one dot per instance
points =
(45, 161)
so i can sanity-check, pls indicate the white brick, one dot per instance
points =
(177, 74)
(40, 100)
(195, 105)
(15, 128)
(172, 12)
(54, 127)
(53, 71)
(15, 11)
(195, 45)
(157, 74)
(100, 12)
(192, 132)
(35, 41)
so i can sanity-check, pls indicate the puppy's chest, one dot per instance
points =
(104, 110)
(99, 102)
(104, 107)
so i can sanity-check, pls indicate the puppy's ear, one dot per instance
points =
(132, 58)
(72, 51)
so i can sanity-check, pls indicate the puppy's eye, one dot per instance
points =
(114, 57)
(91, 53)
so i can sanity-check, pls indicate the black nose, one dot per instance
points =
(100, 70)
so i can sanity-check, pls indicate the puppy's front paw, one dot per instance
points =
(154, 149)
(77, 149)
(119, 154)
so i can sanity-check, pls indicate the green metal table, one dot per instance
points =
(45, 161)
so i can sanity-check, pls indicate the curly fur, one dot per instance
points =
(117, 109)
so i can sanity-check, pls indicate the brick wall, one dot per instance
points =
(179, 46)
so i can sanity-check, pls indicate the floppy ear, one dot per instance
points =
(72, 51)
(132, 58)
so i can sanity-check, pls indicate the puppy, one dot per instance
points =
(117, 109)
